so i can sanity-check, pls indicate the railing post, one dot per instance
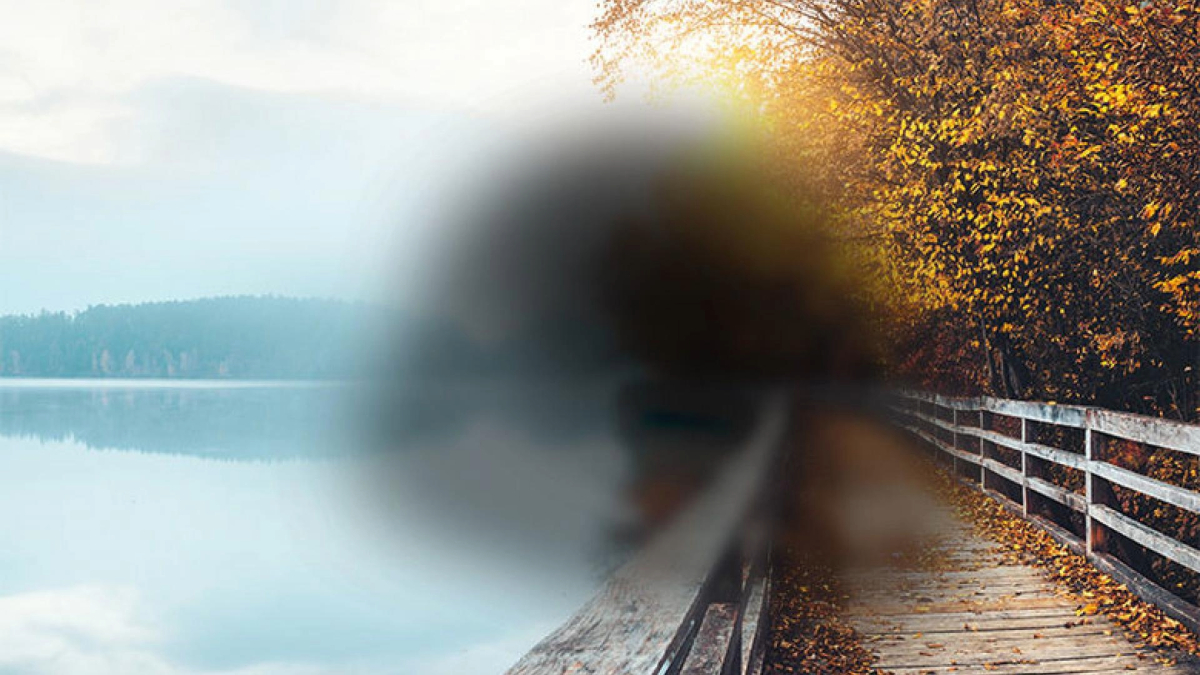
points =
(1090, 488)
(978, 415)
(954, 437)
(1025, 467)
(985, 423)
(1099, 491)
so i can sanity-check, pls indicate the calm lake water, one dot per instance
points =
(257, 529)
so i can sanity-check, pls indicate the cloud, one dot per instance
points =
(228, 190)
(84, 630)
(68, 67)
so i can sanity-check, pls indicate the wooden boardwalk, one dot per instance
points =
(978, 613)
(927, 594)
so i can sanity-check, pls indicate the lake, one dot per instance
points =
(272, 528)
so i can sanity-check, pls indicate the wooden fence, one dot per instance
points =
(696, 601)
(1010, 448)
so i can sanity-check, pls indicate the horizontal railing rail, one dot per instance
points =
(967, 433)
(696, 601)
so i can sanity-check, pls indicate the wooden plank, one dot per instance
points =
(975, 648)
(933, 595)
(1061, 495)
(1150, 538)
(1001, 439)
(998, 573)
(1046, 452)
(1071, 666)
(1151, 430)
(919, 395)
(935, 588)
(711, 650)
(961, 454)
(1171, 494)
(1048, 623)
(991, 604)
(931, 419)
(861, 612)
(955, 402)
(1062, 457)
(1003, 470)
(887, 584)
(965, 456)
(754, 627)
(1047, 413)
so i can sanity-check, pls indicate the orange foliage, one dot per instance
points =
(1020, 177)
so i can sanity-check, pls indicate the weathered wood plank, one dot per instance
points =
(1046, 452)
(1045, 624)
(965, 456)
(1002, 571)
(1061, 495)
(753, 618)
(1000, 439)
(960, 429)
(981, 606)
(916, 580)
(1003, 470)
(1150, 538)
(711, 651)
(1068, 666)
(981, 649)
(1151, 430)
(1071, 459)
(1171, 494)
(1048, 413)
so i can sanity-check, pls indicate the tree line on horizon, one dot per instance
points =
(231, 337)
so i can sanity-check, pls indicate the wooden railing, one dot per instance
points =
(1009, 448)
(696, 601)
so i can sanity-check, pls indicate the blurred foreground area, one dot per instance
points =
(639, 282)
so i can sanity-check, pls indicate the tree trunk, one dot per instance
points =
(1010, 377)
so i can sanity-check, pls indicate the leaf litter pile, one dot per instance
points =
(1096, 592)
(807, 635)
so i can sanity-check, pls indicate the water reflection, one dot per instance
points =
(220, 422)
(187, 546)
(270, 421)
(209, 528)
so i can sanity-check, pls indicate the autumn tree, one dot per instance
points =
(1020, 176)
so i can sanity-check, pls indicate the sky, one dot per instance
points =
(154, 150)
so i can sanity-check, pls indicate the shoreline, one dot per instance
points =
(163, 383)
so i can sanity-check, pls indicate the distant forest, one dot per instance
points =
(231, 337)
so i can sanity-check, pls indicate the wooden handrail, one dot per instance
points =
(924, 414)
(695, 601)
